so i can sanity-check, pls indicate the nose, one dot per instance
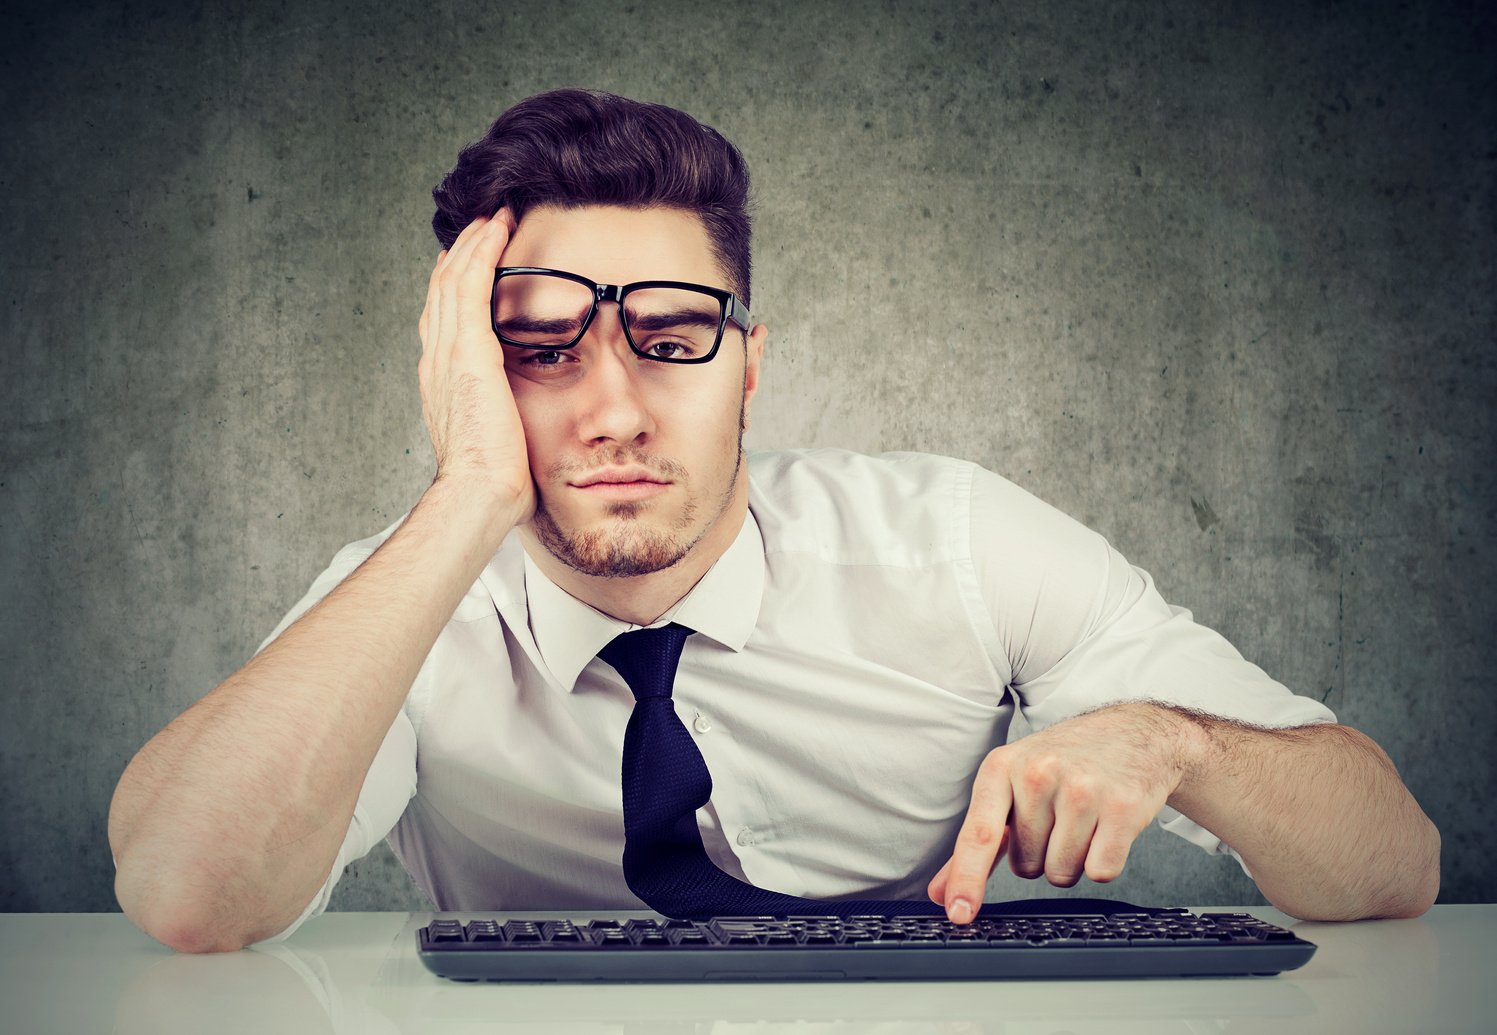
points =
(613, 406)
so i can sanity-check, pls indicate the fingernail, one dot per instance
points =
(960, 911)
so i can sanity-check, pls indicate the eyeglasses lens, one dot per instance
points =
(671, 324)
(540, 311)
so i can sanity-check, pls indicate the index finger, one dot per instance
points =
(488, 248)
(469, 270)
(980, 839)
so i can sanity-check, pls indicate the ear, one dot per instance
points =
(754, 356)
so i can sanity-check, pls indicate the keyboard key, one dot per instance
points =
(744, 920)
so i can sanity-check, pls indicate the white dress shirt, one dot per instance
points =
(859, 649)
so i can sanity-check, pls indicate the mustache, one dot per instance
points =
(618, 456)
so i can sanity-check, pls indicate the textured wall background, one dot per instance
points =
(1214, 278)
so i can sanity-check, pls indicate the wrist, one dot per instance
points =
(477, 504)
(1191, 744)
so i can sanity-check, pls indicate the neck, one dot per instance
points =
(642, 599)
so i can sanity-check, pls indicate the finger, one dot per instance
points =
(466, 285)
(475, 288)
(474, 257)
(1071, 837)
(430, 324)
(936, 889)
(465, 238)
(980, 838)
(1034, 817)
(447, 298)
(472, 236)
(455, 268)
(1118, 826)
(436, 273)
(453, 262)
(487, 249)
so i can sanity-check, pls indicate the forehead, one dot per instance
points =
(613, 245)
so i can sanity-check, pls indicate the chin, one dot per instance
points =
(624, 543)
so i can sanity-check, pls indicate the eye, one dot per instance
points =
(539, 363)
(536, 357)
(670, 349)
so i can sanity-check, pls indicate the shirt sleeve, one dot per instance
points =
(1082, 628)
(391, 780)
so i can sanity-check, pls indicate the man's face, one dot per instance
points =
(634, 461)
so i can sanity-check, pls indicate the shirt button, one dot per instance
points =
(745, 836)
(701, 724)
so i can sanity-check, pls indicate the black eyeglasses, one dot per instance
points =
(669, 321)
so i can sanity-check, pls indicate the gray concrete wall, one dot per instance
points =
(1214, 278)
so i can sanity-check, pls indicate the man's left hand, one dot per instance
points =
(1066, 801)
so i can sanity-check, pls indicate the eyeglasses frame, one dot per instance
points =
(732, 309)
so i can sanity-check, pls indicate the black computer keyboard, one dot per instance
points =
(1161, 943)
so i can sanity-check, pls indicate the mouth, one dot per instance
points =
(630, 483)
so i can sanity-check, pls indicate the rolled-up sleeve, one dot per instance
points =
(391, 780)
(1083, 628)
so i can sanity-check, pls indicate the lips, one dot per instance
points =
(619, 476)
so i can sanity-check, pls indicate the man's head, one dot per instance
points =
(636, 462)
(569, 148)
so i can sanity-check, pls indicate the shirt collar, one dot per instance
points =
(723, 606)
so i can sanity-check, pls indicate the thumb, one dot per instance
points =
(936, 889)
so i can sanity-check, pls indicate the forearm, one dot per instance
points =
(1318, 814)
(230, 818)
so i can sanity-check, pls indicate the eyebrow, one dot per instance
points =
(537, 325)
(675, 318)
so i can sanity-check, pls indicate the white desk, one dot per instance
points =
(358, 973)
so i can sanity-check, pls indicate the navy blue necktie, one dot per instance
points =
(665, 781)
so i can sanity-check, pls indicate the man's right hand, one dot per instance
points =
(466, 402)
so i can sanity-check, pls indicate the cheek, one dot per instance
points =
(541, 422)
(709, 407)
(703, 422)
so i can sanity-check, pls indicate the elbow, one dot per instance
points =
(1409, 893)
(188, 935)
(1425, 886)
(173, 928)
(196, 938)
(1416, 894)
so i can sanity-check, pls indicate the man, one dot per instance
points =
(860, 628)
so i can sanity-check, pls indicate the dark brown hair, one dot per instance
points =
(585, 147)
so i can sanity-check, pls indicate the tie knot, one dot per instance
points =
(647, 658)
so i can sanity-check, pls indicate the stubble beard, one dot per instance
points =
(627, 547)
